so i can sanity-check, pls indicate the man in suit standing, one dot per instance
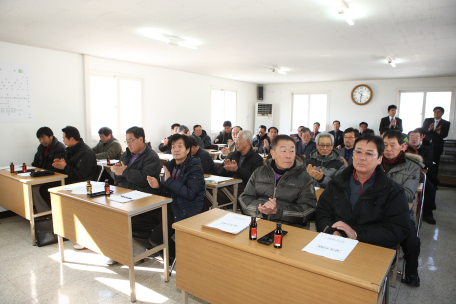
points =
(338, 135)
(437, 129)
(391, 121)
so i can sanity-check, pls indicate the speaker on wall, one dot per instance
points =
(260, 92)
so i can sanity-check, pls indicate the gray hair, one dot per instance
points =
(183, 128)
(323, 135)
(304, 130)
(246, 135)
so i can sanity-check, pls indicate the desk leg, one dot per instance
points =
(131, 271)
(235, 193)
(62, 251)
(101, 172)
(32, 214)
(214, 198)
(184, 297)
(165, 241)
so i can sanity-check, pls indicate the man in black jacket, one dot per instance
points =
(184, 130)
(338, 135)
(48, 150)
(80, 162)
(437, 129)
(363, 204)
(258, 139)
(239, 164)
(198, 131)
(305, 144)
(391, 121)
(224, 136)
(207, 162)
(163, 147)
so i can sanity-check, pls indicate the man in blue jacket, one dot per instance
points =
(183, 181)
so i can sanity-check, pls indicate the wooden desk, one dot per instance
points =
(220, 267)
(104, 225)
(17, 194)
(214, 154)
(318, 193)
(212, 190)
(420, 188)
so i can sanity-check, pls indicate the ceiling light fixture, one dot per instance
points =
(173, 40)
(342, 9)
(277, 70)
(390, 61)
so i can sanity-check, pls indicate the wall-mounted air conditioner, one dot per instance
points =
(263, 115)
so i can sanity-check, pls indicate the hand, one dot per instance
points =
(345, 161)
(314, 173)
(266, 143)
(337, 233)
(339, 147)
(431, 127)
(153, 182)
(59, 163)
(167, 174)
(118, 169)
(438, 129)
(165, 141)
(216, 140)
(393, 123)
(269, 207)
(351, 234)
(225, 151)
(231, 166)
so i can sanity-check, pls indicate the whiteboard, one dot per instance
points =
(15, 101)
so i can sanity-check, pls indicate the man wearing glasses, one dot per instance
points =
(346, 153)
(324, 163)
(362, 203)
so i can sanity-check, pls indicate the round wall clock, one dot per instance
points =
(361, 94)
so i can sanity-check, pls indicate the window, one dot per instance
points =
(115, 102)
(223, 107)
(308, 108)
(415, 106)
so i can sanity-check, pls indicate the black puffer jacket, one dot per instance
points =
(81, 163)
(331, 165)
(205, 138)
(251, 163)
(380, 216)
(57, 150)
(135, 176)
(295, 194)
(223, 138)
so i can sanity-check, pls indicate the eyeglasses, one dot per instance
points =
(130, 141)
(367, 154)
(325, 146)
(414, 136)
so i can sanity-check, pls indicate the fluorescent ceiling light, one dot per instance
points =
(390, 61)
(277, 70)
(173, 40)
(342, 9)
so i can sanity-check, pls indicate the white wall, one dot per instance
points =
(178, 97)
(56, 80)
(341, 107)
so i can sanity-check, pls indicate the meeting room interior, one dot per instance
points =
(242, 151)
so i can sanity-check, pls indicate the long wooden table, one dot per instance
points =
(213, 188)
(220, 267)
(17, 194)
(104, 225)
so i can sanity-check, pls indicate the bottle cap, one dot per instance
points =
(253, 218)
(106, 181)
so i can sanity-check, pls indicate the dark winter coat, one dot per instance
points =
(206, 139)
(57, 150)
(251, 163)
(223, 138)
(311, 145)
(81, 163)
(331, 165)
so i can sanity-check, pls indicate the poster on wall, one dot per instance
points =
(15, 101)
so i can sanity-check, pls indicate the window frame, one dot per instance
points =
(328, 102)
(223, 89)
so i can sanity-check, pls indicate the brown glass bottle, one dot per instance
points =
(12, 168)
(253, 229)
(278, 236)
(108, 160)
(107, 187)
(89, 187)
(24, 167)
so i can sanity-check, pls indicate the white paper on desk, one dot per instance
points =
(24, 174)
(104, 162)
(217, 179)
(119, 198)
(82, 189)
(134, 195)
(17, 168)
(166, 156)
(231, 223)
(331, 246)
(316, 188)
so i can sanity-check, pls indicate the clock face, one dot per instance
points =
(361, 94)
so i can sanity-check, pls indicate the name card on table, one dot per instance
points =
(232, 223)
(331, 246)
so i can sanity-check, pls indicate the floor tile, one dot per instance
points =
(9, 293)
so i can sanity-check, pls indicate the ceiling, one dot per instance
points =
(239, 39)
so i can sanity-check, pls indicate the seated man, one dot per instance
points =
(183, 181)
(184, 130)
(48, 150)
(231, 143)
(404, 169)
(305, 144)
(363, 204)
(362, 126)
(324, 163)
(368, 131)
(80, 163)
(224, 136)
(383, 131)
(316, 127)
(206, 139)
(258, 140)
(292, 202)
(239, 164)
(108, 145)
(207, 162)
(338, 135)
(163, 147)
(346, 153)
(272, 133)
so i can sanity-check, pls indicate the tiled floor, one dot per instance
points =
(29, 274)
